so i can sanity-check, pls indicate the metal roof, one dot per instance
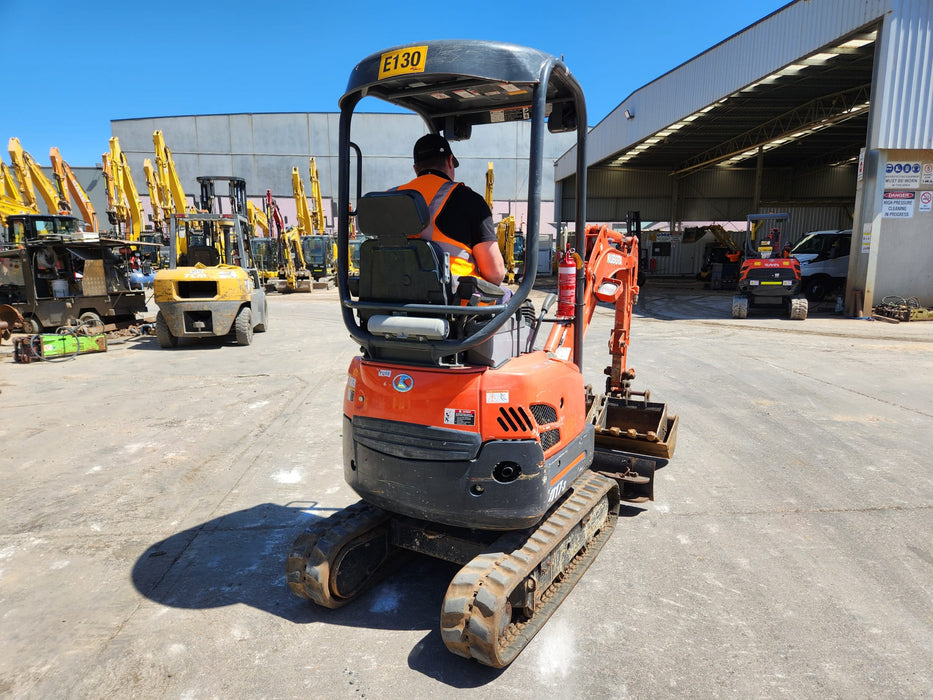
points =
(798, 84)
(480, 82)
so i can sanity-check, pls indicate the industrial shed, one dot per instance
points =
(823, 110)
(263, 149)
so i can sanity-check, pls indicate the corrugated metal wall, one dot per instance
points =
(711, 195)
(902, 94)
(263, 149)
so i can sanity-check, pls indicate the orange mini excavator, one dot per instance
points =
(465, 438)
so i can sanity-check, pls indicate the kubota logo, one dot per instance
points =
(403, 382)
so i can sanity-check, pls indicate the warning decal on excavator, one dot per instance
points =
(408, 60)
(459, 416)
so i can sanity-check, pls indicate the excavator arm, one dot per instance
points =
(258, 220)
(155, 198)
(31, 178)
(11, 199)
(317, 214)
(67, 181)
(23, 178)
(125, 209)
(305, 222)
(171, 192)
(611, 275)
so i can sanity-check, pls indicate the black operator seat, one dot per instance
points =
(394, 267)
(400, 270)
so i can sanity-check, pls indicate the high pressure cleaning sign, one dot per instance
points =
(898, 205)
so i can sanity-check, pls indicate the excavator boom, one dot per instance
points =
(317, 214)
(126, 211)
(68, 181)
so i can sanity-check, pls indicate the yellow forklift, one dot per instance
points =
(211, 287)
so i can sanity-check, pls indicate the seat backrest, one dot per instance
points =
(397, 213)
(394, 267)
(403, 271)
(204, 254)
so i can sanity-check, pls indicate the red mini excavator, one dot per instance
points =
(465, 438)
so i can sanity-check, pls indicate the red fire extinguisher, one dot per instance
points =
(566, 282)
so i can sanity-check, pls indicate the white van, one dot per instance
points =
(824, 261)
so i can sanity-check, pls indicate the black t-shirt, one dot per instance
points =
(465, 217)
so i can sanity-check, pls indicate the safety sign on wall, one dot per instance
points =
(926, 174)
(902, 175)
(925, 201)
(898, 205)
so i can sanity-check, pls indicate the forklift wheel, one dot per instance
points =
(91, 323)
(32, 326)
(243, 327)
(163, 334)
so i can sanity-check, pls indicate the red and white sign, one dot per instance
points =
(898, 205)
(926, 201)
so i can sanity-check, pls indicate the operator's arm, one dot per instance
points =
(489, 261)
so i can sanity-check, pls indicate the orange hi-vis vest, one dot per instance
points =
(435, 190)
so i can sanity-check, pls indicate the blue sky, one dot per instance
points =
(70, 67)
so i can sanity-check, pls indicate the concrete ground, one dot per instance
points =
(149, 498)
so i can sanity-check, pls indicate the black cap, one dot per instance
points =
(431, 146)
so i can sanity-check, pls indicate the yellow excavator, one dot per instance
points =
(67, 183)
(319, 248)
(11, 199)
(31, 178)
(169, 191)
(213, 288)
(505, 233)
(124, 210)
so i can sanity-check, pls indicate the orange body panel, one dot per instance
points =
(492, 402)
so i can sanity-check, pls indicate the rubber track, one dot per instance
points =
(477, 599)
(309, 564)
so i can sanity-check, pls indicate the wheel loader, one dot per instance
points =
(211, 287)
(469, 432)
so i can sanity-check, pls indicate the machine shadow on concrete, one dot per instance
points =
(239, 558)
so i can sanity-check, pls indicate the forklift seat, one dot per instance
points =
(204, 254)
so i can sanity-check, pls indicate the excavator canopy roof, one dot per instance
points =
(478, 82)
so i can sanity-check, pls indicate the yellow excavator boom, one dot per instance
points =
(305, 222)
(23, 178)
(490, 179)
(125, 209)
(155, 198)
(317, 213)
(67, 181)
(171, 193)
(31, 178)
(11, 199)
(8, 186)
(505, 231)
(258, 220)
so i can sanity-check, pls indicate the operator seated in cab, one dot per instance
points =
(460, 220)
